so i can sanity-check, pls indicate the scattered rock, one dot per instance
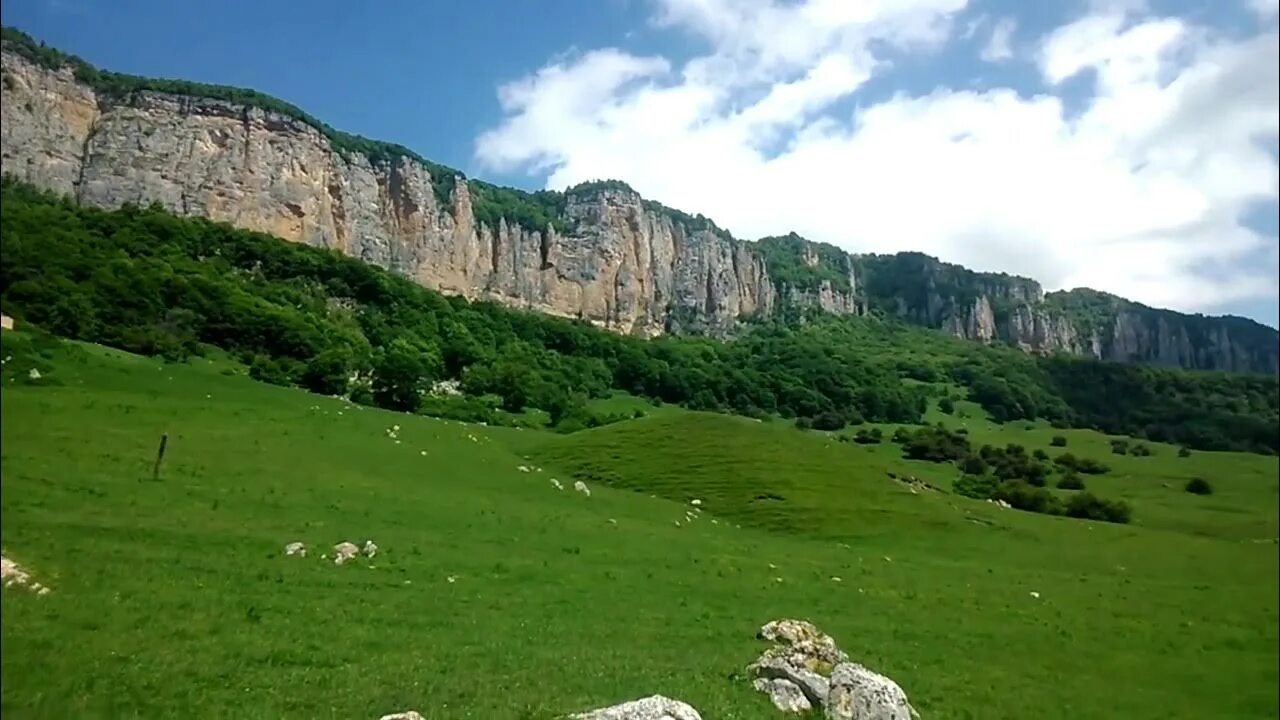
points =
(522, 468)
(805, 670)
(13, 575)
(861, 694)
(655, 707)
(556, 484)
(786, 695)
(1035, 594)
(695, 501)
(582, 488)
(295, 548)
(370, 548)
(344, 551)
(406, 715)
(34, 374)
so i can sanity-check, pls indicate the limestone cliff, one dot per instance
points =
(597, 252)
(608, 257)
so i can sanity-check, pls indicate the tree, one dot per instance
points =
(1058, 441)
(329, 372)
(402, 372)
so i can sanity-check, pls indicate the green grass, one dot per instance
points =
(172, 598)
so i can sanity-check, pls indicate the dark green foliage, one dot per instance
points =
(1086, 506)
(946, 405)
(1140, 450)
(1184, 452)
(403, 372)
(1120, 446)
(785, 261)
(1070, 481)
(1058, 441)
(935, 444)
(1013, 463)
(977, 486)
(829, 420)
(803, 423)
(1031, 498)
(1199, 486)
(868, 437)
(534, 211)
(1088, 466)
(1040, 454)
(901, 435)
(329, 372)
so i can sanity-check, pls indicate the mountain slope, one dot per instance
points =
(597, 251)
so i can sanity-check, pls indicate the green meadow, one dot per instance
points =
(495, 595)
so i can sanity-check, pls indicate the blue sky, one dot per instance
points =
(1118, 144)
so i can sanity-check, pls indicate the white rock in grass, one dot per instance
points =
(861, 694)
(406, 715)
(370, 548)
(786, 695)
(582, 488)
(695, 501)
(556, 484)
(295, 548)
(655, 707)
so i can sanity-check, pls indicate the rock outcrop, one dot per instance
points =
(805, 669)
(596, 252)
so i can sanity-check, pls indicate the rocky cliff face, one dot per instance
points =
(620, 263)
(598, 252)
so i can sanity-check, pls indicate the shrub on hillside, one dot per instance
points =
(1071, 481)
(1120, 446)
(1088, 466)
(901, 435)
(1199, 486)
(1040, 455)
(1140, 450)
(804, 423)
(1013, 463)
(868, 437)
(1184, 452)
(829, 420)
(946, 405)
(980, 487)
(1024, 496)
(1090, 507)
(1058, 441)
(935, 444)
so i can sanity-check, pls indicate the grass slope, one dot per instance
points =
(171, 598)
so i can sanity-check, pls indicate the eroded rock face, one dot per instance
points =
(654, 707)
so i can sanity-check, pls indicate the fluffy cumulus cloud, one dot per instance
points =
(1140, 189)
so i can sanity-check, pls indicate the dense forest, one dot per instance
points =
(144, 280)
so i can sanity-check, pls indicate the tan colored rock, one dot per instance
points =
(861, 694)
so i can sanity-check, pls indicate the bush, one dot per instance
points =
(1024, 496)
(973, 465)
(901, 435)
(980, 487)
(827, 421)
(1120, 447)
(1199, 486)
(804, 423)
(1058, 441)
(863, 437)
(1140, 450)
(1184, 452)
(1088, 466)
(1090, 507)
(1071, 481)
(946, 406)
(935, 444)
(1040, 455)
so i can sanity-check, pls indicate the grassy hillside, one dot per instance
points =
(172, 598)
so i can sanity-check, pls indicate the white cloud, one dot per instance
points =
(1000, 45)
(1265, 9)
(1139, 192)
